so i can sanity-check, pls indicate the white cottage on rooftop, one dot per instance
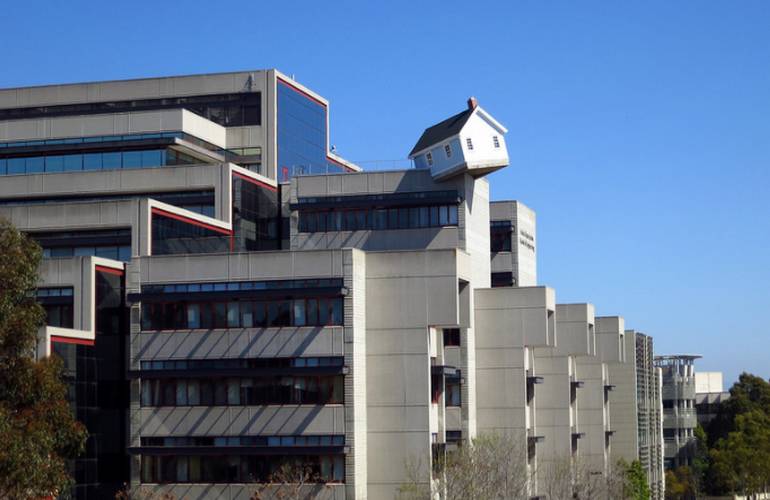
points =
(469, 142)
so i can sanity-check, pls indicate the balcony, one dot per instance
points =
(679, 418)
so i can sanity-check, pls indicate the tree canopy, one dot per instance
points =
(38, 430)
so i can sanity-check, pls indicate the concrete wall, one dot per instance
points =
(138, 122)
(407, 294)
(522, 259)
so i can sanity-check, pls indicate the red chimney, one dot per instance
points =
(472, 103)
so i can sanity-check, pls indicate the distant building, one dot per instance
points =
(679, 417)
(709, 393)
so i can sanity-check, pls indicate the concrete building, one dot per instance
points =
(512, 240)
(709, 393)
(636, 407)
(679, 415)
(231, 297)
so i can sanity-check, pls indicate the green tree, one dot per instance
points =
(741, 461)
(37, 428)
(749, 393)
(636, 485)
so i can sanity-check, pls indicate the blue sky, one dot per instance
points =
(637, 131)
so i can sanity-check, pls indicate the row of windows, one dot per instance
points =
(122, 252)
(237, 286)
(224, 364)
(64, 291)
(242, 314)
(229, 110)
(410, 197)
(468, 143)
(317, 440)
(201, 202)
(241, 468)
(253, 391)
(95, 161)
(113, 138)
(377, 219)
(61, 315)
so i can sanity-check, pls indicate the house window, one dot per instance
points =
(429, 158)
(495, 141)
(448, 150)
(469, 143)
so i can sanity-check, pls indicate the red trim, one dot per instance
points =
(109, 270)
(255, 181)
(182, 218)
(299, 91)
(70, 340)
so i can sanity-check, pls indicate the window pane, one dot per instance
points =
(453, 214)
(337, 311)
(181, 393)
(35, 165)
(323, 311)
(92, 161)
(73, 162)
(312, 311)
(434, 216)
(392, 218)
(233, 315)
(193, 392)
(247, 315)
(299, 312)
(132, 159)
(111, 161)
(259, 314)
(403, 218)
(414, 218)
(54, 164)
(424, 217)
(16, 165)
(193, 316)
(443, 215)
(220, 315)
(151, 158)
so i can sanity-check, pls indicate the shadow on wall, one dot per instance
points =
(239, 343)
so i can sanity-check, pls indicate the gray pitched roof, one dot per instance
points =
(442, 130)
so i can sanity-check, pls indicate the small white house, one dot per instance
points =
(469, 142)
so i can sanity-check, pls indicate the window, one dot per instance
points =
(314, 311)
(233, 468)
(453, 392)
(413, 217)
(243, 391)
(429, 158)
(495, 141)
(229, 110)
(448, 150)
(469, 143)
(451, 337)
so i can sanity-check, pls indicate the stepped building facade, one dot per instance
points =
(232, 299)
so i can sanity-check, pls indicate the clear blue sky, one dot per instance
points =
(638, 131)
